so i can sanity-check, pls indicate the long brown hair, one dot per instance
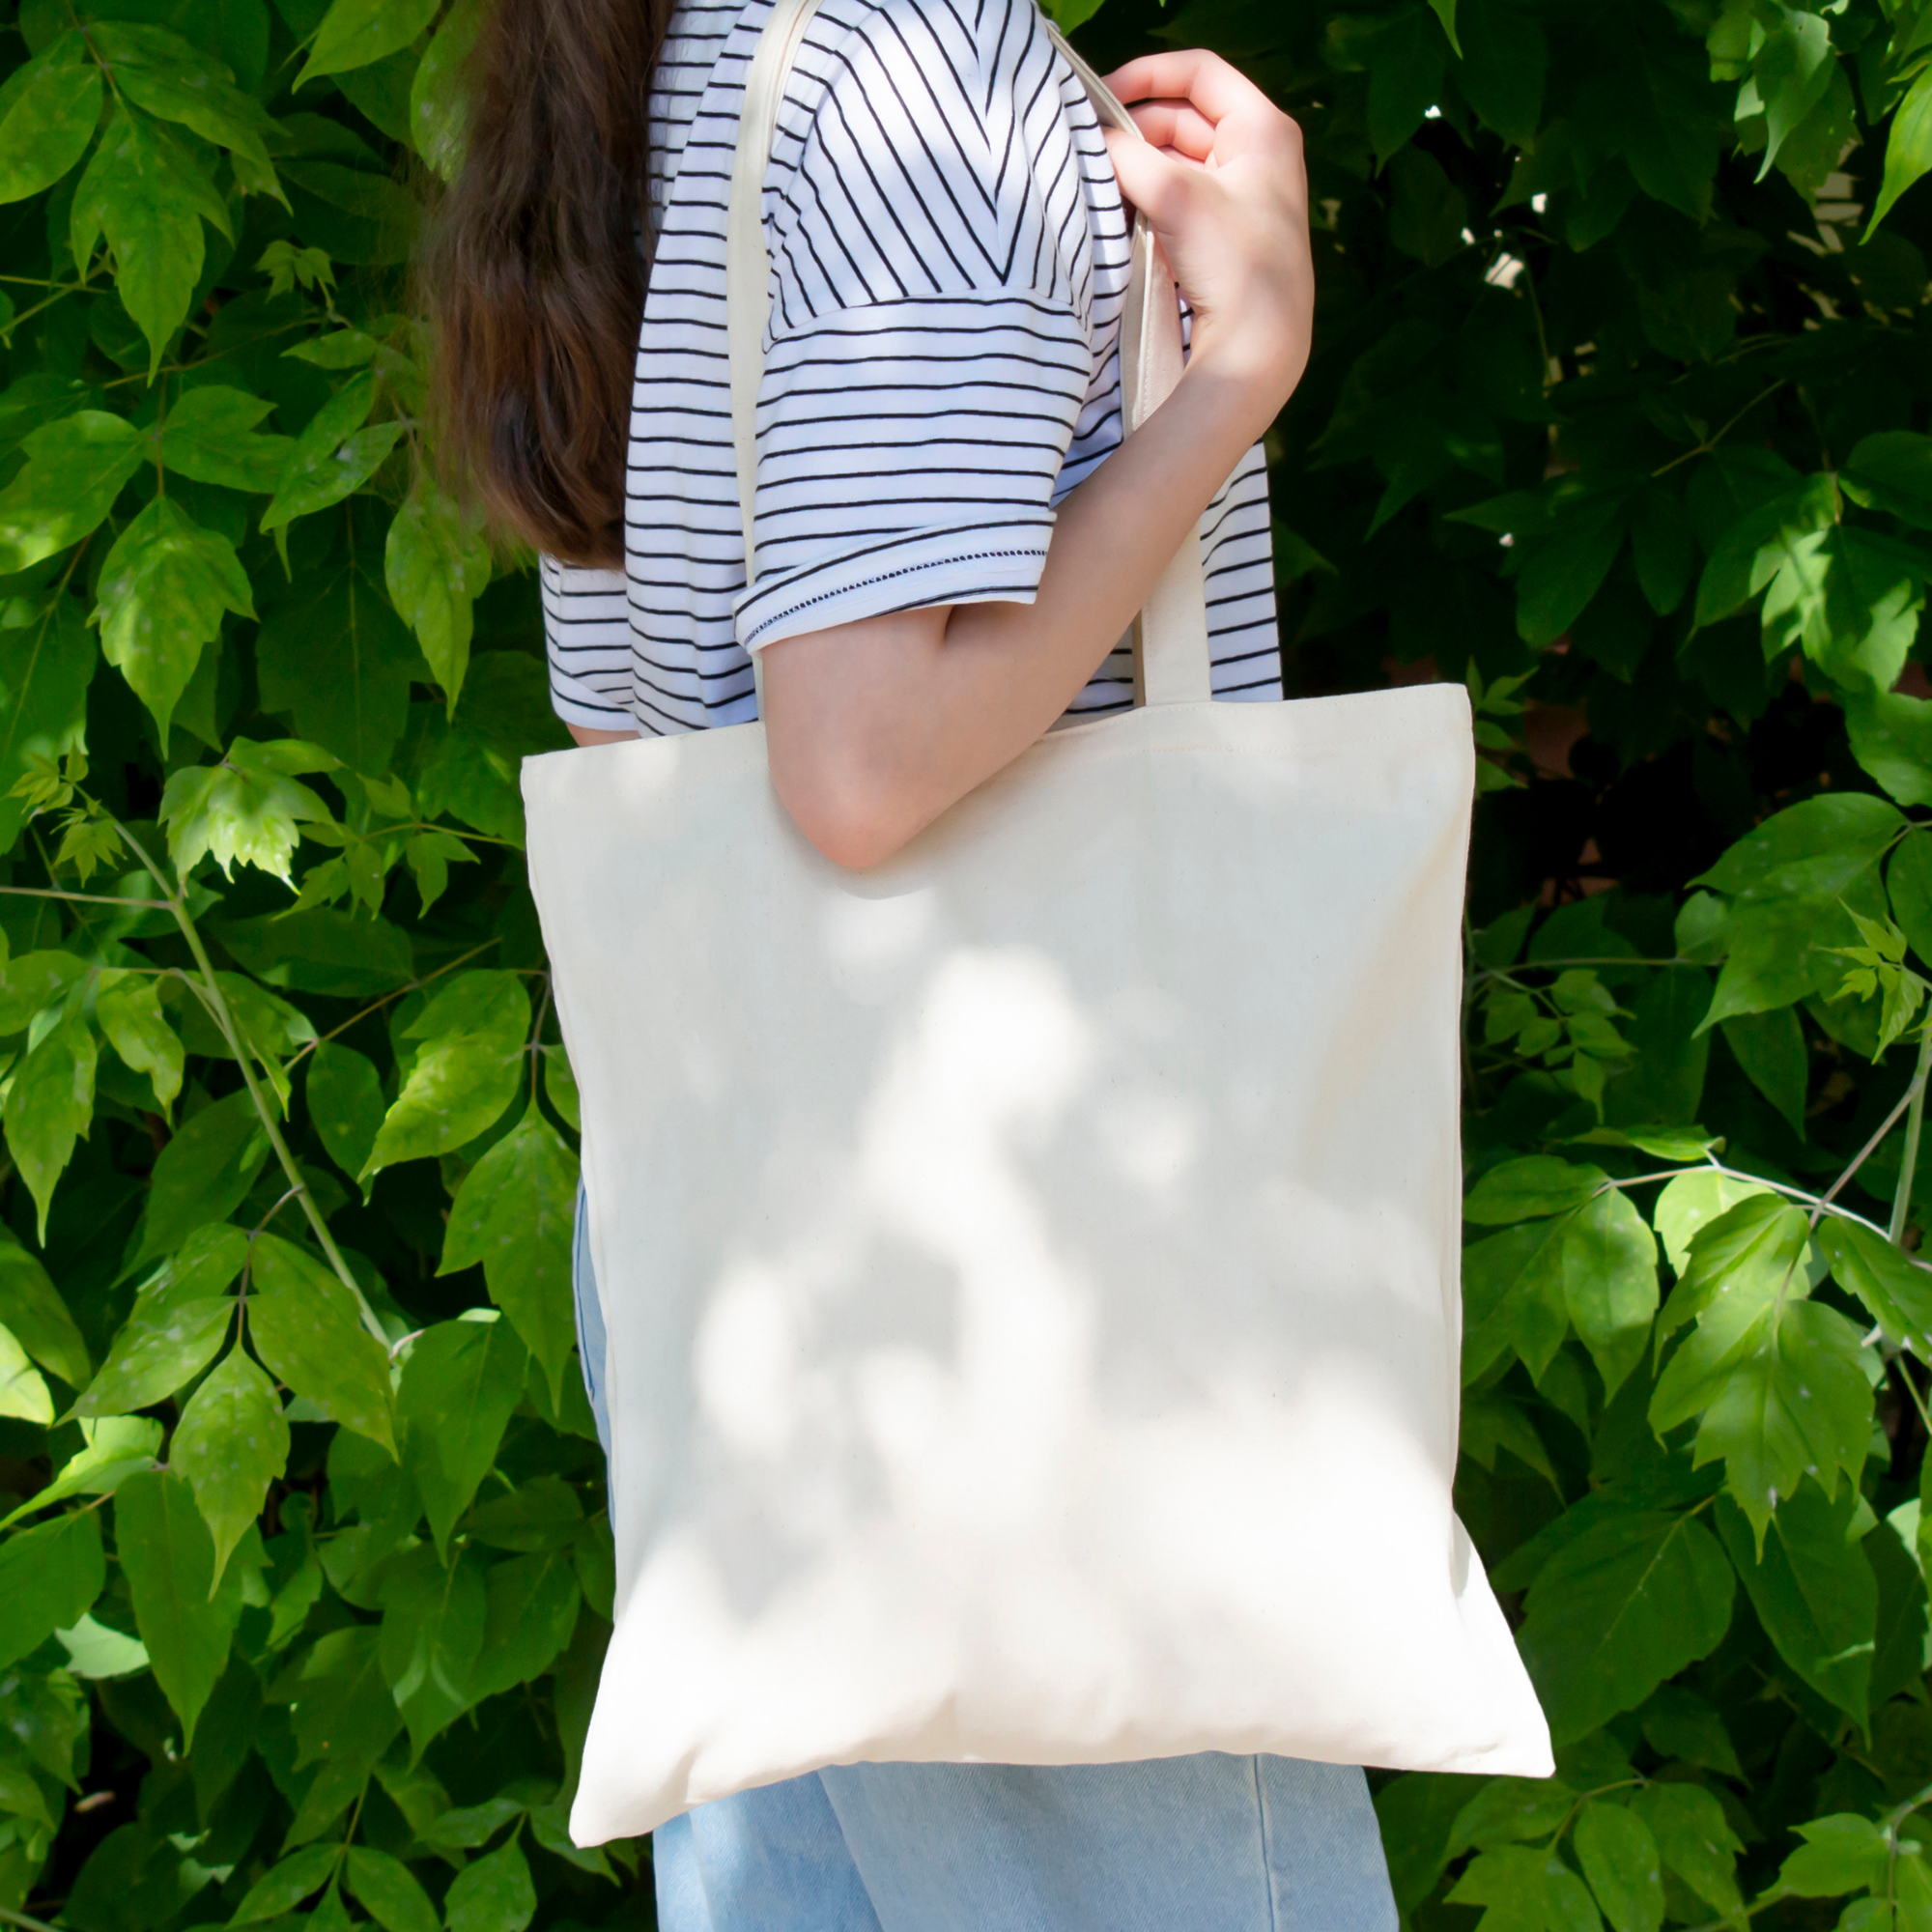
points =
(535, 273)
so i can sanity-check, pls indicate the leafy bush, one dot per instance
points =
(1618, 411)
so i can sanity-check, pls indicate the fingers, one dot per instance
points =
(1194, 76)
(1176, 124)
(1152, 181)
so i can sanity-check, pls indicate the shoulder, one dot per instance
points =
(962, 64)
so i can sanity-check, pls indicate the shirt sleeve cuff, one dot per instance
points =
(973, 562)
(577, 704)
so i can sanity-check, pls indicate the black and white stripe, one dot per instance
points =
(949, 255)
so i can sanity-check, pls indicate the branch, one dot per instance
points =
(210, 991)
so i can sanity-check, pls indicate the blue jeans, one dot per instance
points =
(1209, 1843)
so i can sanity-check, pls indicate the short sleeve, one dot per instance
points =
(931, 349)
(588, 640)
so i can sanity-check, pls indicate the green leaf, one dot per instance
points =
(353, 32)
(114, 1447)
(232, 1444)
(466, 1074)
(1679, 1723)
(560, 1086)
(344, 1720)
(1778, 1386)
(31, 1308)
(1793, 74)
(322, 951)
(388, 1892)
(432, 1638)
(297, 1879)
(247, 810)
(1609, 1283)
(49, 1105)
(1739, 566)
(47, 657)
(1756, 1241)
(334, 456)
(1491, 1422)
(1899, 1655)
(24, 1394)
(1691, 1202)
(75, 468)
(49, 1577)
(1769, 964)
(202, 1175)
(1569, 565)
(1908, 147)
(94, 1650)
(306, 1327)
(1514, 1299)
(49, 111)
(359, 713)
(204, 1263)
(169, 1559)
(1536, 1184)
(438, 110)
(1405, 80)
(129, 1008)
(1695, 1837)
(531, 1617)
(1812, 1588)
(1891, 471)
(1620, 1859)
(515, 1214)
(436, 564)
(492, 1894)
(1848, 598)
(31, 984)
(1892, 739)
(1526, 1891)
(163, 1345)
(1769, 1047)
(1662, 550)
(543, 1514)
(163, 588)
(460, 1385)
(1814, 850)
(148, 195)
(162, 73)
(209, 435)
(1628, 1603)
(1840, 1853)
(281, 1891)
(1897, 1289)
(345, 1103)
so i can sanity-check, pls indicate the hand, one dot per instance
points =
(1220, 176)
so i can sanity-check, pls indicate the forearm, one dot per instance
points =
(875, 729)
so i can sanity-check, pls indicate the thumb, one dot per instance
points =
(1154, 183)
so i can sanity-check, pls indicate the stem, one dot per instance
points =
(21, 1918)
(92, 899)
(390, 999)
(217, 1007)
(1908, 1164)
(1819, 1203)
(1870, 1147)
(1554, 965)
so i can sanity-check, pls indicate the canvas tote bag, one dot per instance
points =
(1029, 1265)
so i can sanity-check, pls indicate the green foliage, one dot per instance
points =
(1620, 414)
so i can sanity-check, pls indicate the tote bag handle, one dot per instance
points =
(1170, 636)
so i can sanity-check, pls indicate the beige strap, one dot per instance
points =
(1170, 636)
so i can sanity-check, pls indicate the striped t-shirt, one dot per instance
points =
(950, 258)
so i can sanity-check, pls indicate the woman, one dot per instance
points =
(951, 537)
